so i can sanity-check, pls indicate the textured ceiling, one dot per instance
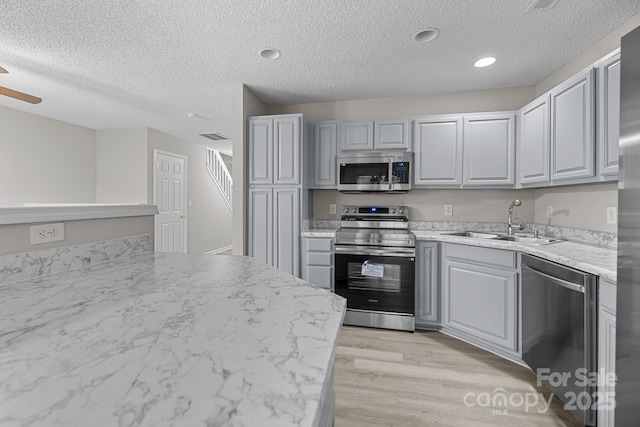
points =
(147, 63)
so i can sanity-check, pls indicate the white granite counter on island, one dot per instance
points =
(168, 340)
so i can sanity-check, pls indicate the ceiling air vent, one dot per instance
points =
(542, 5)
(215, 136)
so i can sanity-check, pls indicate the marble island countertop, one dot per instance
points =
(167, 340)
(598, 260)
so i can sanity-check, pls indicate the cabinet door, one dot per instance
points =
(572, 128)
(488, 147)
(286, 245)
(287, 146)
(427, 295)
(391, 135)
(260, 151)
(609, 115)
(534, 143)
(261, 224)
(355, 135)
(480, 303)
(607, 351)
(437, 144)
(325, 155)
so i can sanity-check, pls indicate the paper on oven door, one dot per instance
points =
(373, 270)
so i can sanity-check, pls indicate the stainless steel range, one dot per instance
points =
(375, 267)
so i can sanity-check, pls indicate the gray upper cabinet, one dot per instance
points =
(534, 143)
(274, 150)
(572, 128)
(325, 155)
(392, 134)
(261, 151)
(437, 145)
(287, 146)
(355, 135)
(609, 115)
(489, 150)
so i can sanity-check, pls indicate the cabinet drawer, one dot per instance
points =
(320, 258)
(321, 276)
(320, 245)
(484, 256)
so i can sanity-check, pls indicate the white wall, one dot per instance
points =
(428, 205)
(121, 175)
(209, 221)
(406, 106)
(245, 104)
(45, 160)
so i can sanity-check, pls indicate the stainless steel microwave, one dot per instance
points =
(374, 171)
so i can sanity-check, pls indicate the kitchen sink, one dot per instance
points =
(525, 240)
(474, 234)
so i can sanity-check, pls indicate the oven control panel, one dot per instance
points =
(375, 210)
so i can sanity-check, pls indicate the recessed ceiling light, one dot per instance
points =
(425, 36)
(484, 62)
(270, 53)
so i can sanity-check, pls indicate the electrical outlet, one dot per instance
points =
(612, 215)
(332, 209)
(448, 210)
(549, 211)
(45, 233)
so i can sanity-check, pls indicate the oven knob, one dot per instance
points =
(400, 211)
(353, 210)
(345, 210)
(393, 211)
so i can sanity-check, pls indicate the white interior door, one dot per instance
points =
(169, 197)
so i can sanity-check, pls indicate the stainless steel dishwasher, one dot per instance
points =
(559, 332)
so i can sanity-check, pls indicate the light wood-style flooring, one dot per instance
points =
(403, 379)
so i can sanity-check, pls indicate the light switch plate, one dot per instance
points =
(612, 215)
(332, 209)
(448, 210)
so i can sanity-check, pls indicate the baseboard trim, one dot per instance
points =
(219, 250)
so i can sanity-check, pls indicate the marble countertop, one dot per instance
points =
(598, 260)
(167, 340)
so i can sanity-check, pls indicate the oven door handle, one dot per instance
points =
(376, 250)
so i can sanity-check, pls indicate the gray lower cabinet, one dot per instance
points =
(606, 352)
(480, 297)
(317, 261)
(274, 227)
(428, 285)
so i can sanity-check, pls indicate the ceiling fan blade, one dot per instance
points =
(19, 95)
(2, 70)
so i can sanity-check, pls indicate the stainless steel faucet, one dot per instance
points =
(510, 225)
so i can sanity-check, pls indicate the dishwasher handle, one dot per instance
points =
(565, 284)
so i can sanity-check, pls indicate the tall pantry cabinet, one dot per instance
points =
(277, 192)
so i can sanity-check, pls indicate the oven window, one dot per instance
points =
(364, 173)
(373, 276)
